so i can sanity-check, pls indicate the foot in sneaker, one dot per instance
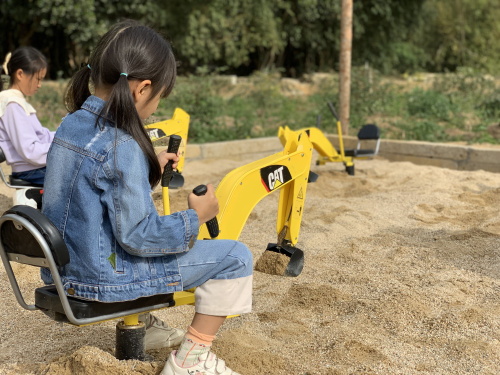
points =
(209, 365)
(159, 334)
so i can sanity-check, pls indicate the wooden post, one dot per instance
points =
(345, 65)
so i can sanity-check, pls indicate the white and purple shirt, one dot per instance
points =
(23, 139)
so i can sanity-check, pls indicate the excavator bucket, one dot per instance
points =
(284, 260)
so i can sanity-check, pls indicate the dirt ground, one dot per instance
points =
(401, 276)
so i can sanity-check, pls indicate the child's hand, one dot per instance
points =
(164, 157)
(206, 206)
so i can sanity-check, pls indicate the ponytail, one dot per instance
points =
(77, 90)
(5, 68)
(121, 108)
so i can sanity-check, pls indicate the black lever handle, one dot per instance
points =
(173, 146)
(332, 108)
(212, 224)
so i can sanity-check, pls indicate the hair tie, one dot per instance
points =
(4, 66)
(88, 66)
(124, 74)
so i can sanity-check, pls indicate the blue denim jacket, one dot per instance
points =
(98, 196)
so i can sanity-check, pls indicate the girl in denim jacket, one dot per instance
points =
(101, 170)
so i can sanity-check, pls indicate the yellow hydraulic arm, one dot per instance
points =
(241, 189)
(322, 145)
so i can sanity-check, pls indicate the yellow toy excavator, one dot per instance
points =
(369, 133)
(326, 151)
(241, 189)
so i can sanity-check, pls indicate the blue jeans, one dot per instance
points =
(214, 259)
(35, 176)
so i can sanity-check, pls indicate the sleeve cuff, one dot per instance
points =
(192, 228)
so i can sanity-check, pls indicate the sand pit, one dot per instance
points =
(401, 276)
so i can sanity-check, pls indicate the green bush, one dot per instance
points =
(429, 104)
(490, 106)
(424, 130)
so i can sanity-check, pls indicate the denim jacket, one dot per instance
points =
(97, 194)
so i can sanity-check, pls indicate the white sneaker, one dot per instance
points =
(159, 334)
(209, 365)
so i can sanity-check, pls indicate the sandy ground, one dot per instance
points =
(401, 276)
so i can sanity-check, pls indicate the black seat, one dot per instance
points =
(368, 132)
(47, 299)
(28, 237)
(17, 182)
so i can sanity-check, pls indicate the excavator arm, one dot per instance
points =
(326, 151)
(241, 189)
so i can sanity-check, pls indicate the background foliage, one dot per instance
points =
(290, 36)
(265, 40)
(463, 106)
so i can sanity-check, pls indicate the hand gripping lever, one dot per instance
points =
(212, 224)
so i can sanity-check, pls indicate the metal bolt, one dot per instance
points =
(18, 226)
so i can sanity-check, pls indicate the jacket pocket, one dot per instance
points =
(116, 259)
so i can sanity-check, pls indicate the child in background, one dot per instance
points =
(24, 141)
(101, 170)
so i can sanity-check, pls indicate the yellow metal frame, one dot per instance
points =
(326, 151)
(186, 297)
(179, 125)
(241, 189)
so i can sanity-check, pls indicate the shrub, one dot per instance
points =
(424, 131)
(429, 104)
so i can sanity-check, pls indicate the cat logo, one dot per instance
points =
(155, 133)
(273, 176)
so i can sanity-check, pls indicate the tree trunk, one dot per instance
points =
(345, 65)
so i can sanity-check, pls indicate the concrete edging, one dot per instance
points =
(459, 157)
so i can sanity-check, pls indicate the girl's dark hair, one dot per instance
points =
(29, 59)
(140, 52)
